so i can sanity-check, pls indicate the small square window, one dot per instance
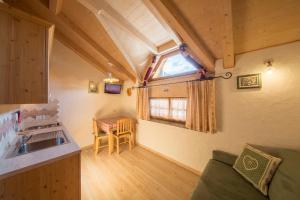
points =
(172, 109)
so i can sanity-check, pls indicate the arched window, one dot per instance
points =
(172, 65)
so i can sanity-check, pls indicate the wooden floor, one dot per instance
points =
(137, 174)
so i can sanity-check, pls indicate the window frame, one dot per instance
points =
(169, 119)
(161, 60)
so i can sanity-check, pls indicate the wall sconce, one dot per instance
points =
(129, 91)
(269, 64)
(93, 87)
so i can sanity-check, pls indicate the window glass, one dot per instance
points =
(174, 65)
(173, 109)
(159, 107)
(178, 109)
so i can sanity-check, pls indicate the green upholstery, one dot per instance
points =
(286, 181)
(224, 157)
(102, 134)
(219, 181)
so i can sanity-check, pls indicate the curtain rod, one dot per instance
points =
(228, 75)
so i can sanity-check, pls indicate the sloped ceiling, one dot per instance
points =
(139, 16)
(206, 18)
(263, 23)
(90, 24)
(257, 24)
(254, 24)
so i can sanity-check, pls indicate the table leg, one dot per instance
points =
(133, 138)
(96, 145)
(110, 142)
(134, 135)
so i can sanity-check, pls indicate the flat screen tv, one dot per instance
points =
(112, 88)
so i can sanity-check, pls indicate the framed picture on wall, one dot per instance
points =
(249, 81)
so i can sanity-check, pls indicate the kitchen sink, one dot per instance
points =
(39, 142)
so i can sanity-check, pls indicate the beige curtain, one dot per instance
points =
(143, 103)
(201, 114)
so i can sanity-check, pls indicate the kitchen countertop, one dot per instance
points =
(21, 163)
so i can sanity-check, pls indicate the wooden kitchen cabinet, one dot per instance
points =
(25, 44)
(55, 180)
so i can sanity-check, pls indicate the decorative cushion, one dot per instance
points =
(257, 167)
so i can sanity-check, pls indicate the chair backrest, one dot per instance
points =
(95, 127)
(124, 126)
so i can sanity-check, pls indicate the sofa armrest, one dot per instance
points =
(224, 157)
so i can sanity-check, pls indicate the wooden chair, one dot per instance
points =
(124, 130)
(98, 136)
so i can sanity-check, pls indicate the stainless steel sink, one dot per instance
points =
(39, 142)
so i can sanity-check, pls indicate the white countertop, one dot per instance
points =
(11, 166)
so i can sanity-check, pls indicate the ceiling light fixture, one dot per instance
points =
(110, 79)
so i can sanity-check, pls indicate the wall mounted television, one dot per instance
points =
(112, 88)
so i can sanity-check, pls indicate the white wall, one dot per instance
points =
(268, 116)
(69, 76)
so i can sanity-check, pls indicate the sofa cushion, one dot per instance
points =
(224, 157)
(286, 181)
(257, 167)
(220, 181)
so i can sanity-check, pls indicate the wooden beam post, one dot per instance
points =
(228, 42)
(100, 7)
(55, 6)
(175, 20)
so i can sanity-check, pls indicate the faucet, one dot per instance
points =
(25, 139)
(23, 146)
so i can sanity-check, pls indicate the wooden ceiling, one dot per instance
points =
(119, 36)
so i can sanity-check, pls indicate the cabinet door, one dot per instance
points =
(4, 56)
(24, 63)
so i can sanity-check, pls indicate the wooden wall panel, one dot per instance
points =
(59, 180)
(30, 68)
(24, 61)
(4, 56)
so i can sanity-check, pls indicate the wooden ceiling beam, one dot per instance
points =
(113, 61)
(62, 23)
(84, 54)
(100, 7)
(117, 42)
(228, 42)
(163, 22)
(19, 13)
(166, 47)
(175, 20)
(78, 50)
(55, 6)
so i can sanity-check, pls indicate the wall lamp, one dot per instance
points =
(269, 64)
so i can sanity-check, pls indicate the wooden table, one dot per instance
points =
(109, 125)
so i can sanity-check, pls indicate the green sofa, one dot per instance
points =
(220, 181)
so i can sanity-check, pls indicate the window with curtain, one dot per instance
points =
(171, 109)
